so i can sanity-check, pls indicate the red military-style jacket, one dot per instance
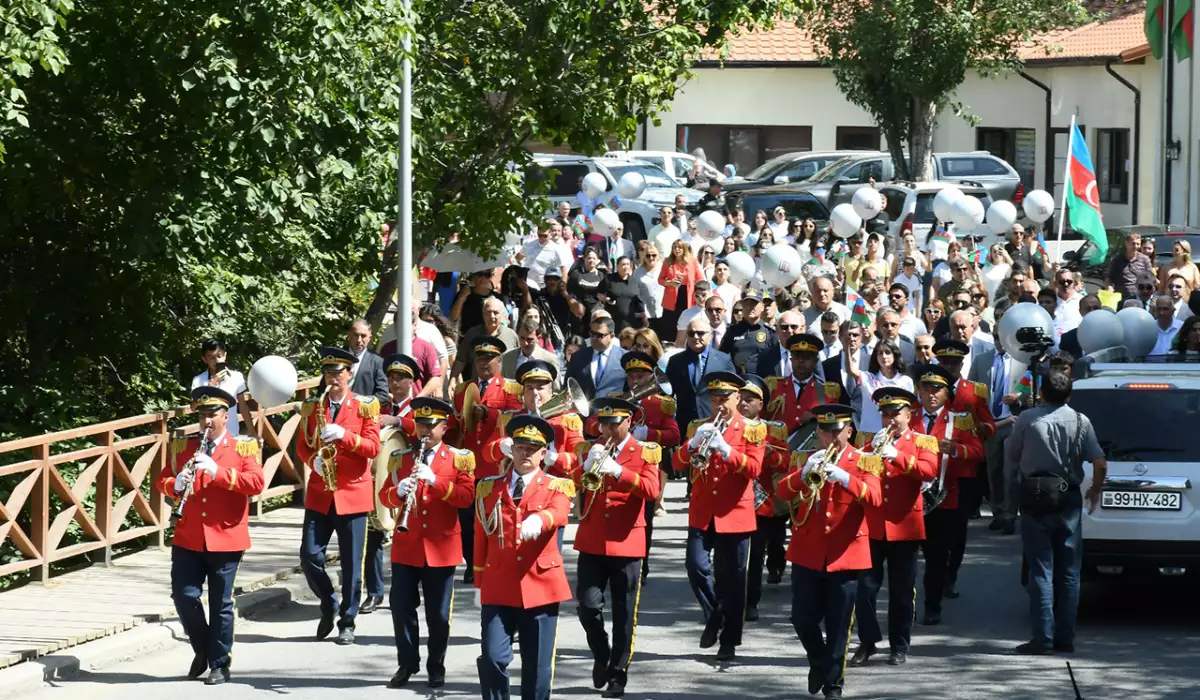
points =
(215, 518)
(613, 519)
(972, 397)
(403, 409)
(968, 449)
(508, 571)
(359, 415)
(902, 514)
(722, 494)
(658, 415)
(568, 432)
(775, 465)
(783, 406)
(834, 537)
(501, 395)
(434, 536)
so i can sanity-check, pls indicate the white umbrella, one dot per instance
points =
(452, 258)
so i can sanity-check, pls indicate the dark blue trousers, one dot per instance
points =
(767, 546)
(943, 527)
(824, 596)
(373, 563)
(466, 522)
(719, 580)
(352, 534)
(408, 583)
(538, 628)
(622, 577)
(901, 560)
(211, 636)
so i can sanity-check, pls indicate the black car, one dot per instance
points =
(798, 201)
(787, 168)
(1164, 236)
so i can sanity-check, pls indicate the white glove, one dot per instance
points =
(551, 455)
(183, 480)
(205, 464)
(318, 466)
(700, 433)
(594, 454)
(720, 446)
(889, 452)
(403, 488)
(813, 460)
(641, 432)
(836, 474)
(425, 473)
(332, 432)
(610, 468)
(531, 528)
(506, 447)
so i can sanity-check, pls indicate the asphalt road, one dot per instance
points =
(1138, 640)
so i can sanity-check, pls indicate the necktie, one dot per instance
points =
(333, 409)
(518, 489)
(999, 384)
(929, 419)
(785, 364)
(209, 446)
(599, 369)
(482, 386)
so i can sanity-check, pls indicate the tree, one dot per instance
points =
(901, 60)
(27, 39)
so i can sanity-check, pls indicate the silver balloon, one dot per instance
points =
(1023, 315)
(1141, 332)
(1099, 330)
(272, 381)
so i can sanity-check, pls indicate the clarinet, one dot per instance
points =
(177, 514)
(411, 500)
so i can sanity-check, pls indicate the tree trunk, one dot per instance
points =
(381, 303)
(920, 140)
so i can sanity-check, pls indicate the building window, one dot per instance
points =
(857, 138)
(746, 147)
(1017, 147)
(1112, 165)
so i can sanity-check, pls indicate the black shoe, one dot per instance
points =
(951, 591)
(775, 577)
(862, 655)
(932, 618)
(217, 676)
(726, 652)
(816, 678)
(1064, 648)
(469, 575)
(833, 692)
(996, 524)
(752, 614)
(708, 639)
(198, 667)
(615, 689)
(346, 637)
(324, 627)
(1010, 528)
(400, 678)
(372, 604)
(436, 681)
(1033, 649)
(897, 658)
(599, 673)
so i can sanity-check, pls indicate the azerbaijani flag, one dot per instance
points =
(1181, 29)
(819, 258)
(1025, 386)
(1082, 200)
(582, 224)
(976, 256)
(1041, 246)
(858, 308)
(941, 236)
(1154, 27)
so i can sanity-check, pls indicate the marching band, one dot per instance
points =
(492, 479)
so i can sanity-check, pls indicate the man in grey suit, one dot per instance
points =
(367, 376)
(526, 350)
(598, 368)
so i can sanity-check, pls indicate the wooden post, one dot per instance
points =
(157, 502)
(104, 496)
(39, 509)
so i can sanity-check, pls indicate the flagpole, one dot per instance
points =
(1062, 220)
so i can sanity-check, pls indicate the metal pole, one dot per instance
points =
(404, 266)
(1137, 138)
(1187, 179)
(1062, 219)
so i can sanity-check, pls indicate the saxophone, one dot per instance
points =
(327, 452)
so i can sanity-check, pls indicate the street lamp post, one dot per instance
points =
(404, 265)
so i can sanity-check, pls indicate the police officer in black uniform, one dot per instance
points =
(748, 338)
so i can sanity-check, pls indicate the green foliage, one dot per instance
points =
(27, 40)
(901, 60)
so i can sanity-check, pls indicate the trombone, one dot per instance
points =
(658, 385)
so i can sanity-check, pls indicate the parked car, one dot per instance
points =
(677, 165)
(1096, 272)
(639, 215)
(910, 207)
(838, 182)
(789, 167)
(799, 203)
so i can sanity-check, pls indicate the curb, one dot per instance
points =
(264, 597)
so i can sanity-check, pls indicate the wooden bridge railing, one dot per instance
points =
(117, 474)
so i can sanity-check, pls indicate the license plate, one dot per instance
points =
(1142, 500)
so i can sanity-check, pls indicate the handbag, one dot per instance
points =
(1045, 493)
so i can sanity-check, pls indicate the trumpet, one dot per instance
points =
(411, 499)
(177, 514)
(702, 452)
(883, 438)
(815, 480)
(591, 478)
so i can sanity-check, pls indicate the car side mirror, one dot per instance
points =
(1070, 255)
(781, 179)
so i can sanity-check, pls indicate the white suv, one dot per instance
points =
(910, 207)
(1148, 518)
(677, 165)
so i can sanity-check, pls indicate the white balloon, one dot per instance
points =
(1001, 216)
(710, 225)
(594, 184)
(605, 222)
(943, 203)
(781, 265)
(844, 221)
(867, 202)
(968, 213)
(272, 381)
(1038, 205)
(631, 185)
(1023, 315)
(1141, 332)
(1099, 330)
(741, 267)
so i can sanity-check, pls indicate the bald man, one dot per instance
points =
(686, 371)
(494, 315)
(777, 362)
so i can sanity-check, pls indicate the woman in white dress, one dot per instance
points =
(886, 368)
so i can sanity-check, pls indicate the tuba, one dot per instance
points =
(570, 400)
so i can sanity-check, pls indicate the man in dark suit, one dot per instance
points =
(1069, 343)
(367, 375)
(686, 371)
(598, 368)
(853, 336)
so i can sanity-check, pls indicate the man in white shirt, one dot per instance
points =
(231, 381)
(665, 233)
(778, 363)
(1176, 286)
(729, 292)
(964, 327)
(1066, 312)
(700, 294)
(1168, 325)
(541, 255)
(900, 301)
(830, 325)
(821, 289)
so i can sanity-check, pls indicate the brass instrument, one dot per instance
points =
(815, 480)
(658, 385)
(411, 499)
(392, 442)
(591, 478)
(570, 399)
(327, 452)
(471, 398)
(702, 452)
(883, 438)
(177, 514)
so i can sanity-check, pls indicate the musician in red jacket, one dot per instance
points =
(351, 427)
(428, 484)
(897, 527)
(793, 398)
(610, 540)
(721, 511)
(518, 566)
(769, 541)
(960, 450)
(213, 533)
(830, 545)
(536, 381)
